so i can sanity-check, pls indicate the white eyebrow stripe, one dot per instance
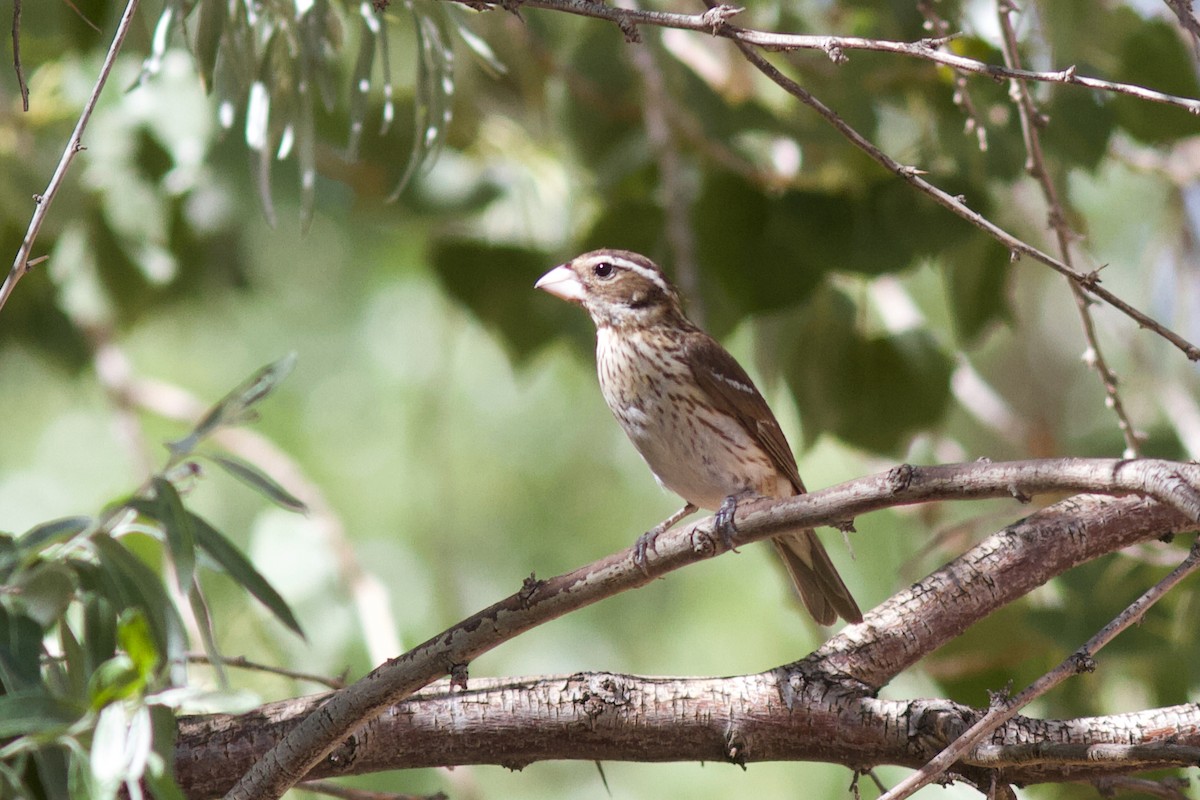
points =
(649, 274)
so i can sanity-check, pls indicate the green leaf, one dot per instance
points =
(213, 16)
(1153, 55)
(178, 529)
(20, 651)
(235, 407)
(977, 274)
(1080, 125)
(35, 712)
(872, 392)
(10, 556)
(59, 530)
(767, 252)
(256, 479)
(243, 572)
(207, 635)
(116, 679)
(134, 585)
(136, 639)
(44, 592)
(99, 629)
(496, 283)
(74, 662)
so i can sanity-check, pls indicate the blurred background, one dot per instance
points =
(443, 421)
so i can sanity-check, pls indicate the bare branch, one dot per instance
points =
(16, 39)
(834, 46)
(21, 263)
(1187, 18)
(241, 662)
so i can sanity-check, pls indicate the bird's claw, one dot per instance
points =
(725, 526)
(643, 545)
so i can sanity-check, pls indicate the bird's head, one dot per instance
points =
(616, 287)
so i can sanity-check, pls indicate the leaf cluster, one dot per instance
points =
(92, 641)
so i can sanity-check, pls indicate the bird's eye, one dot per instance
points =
(603, 269)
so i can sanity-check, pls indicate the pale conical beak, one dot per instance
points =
(563, 283)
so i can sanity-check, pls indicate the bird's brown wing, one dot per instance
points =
(722, 377)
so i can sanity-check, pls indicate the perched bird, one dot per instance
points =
(692, 411)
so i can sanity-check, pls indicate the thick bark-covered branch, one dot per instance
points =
(864, 656)
(744, 719)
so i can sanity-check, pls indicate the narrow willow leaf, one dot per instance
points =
(214, 15)
(136, 639)
(234, 408)
(158, 44)
(115, 679)
(52, 532)
(178, 529)
(75, 663)
(360, 81)
(207, 635)
(20, 652)
(136, 586)
(238, 567)
(99, 629)
(256, 479)
(35, 712)
(435, 86)
(44, 592)
(385, 63)
(306, 156)
(482, 51)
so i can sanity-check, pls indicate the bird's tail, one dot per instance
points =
(821, 588)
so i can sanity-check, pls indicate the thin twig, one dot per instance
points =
(1082, 660)
(1089, 282)
(1187, 18)
(835, 46)
(1167, 788)
(1035, 165)
(16, 37)
(21, 263)
(349, 793)
(940, 28)
(241, 662)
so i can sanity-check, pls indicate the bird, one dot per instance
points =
(692, 412)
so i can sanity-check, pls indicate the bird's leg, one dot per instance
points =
(724, 517)
(645, 542)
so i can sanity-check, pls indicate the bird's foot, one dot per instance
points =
(645, 542)
(725, 527)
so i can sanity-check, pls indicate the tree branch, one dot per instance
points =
(834, 46)
(21, 263)
(869, 653)
(1078, 662)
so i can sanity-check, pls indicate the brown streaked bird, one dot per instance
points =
(692, 411)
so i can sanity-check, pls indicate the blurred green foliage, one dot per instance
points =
(446, 415)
